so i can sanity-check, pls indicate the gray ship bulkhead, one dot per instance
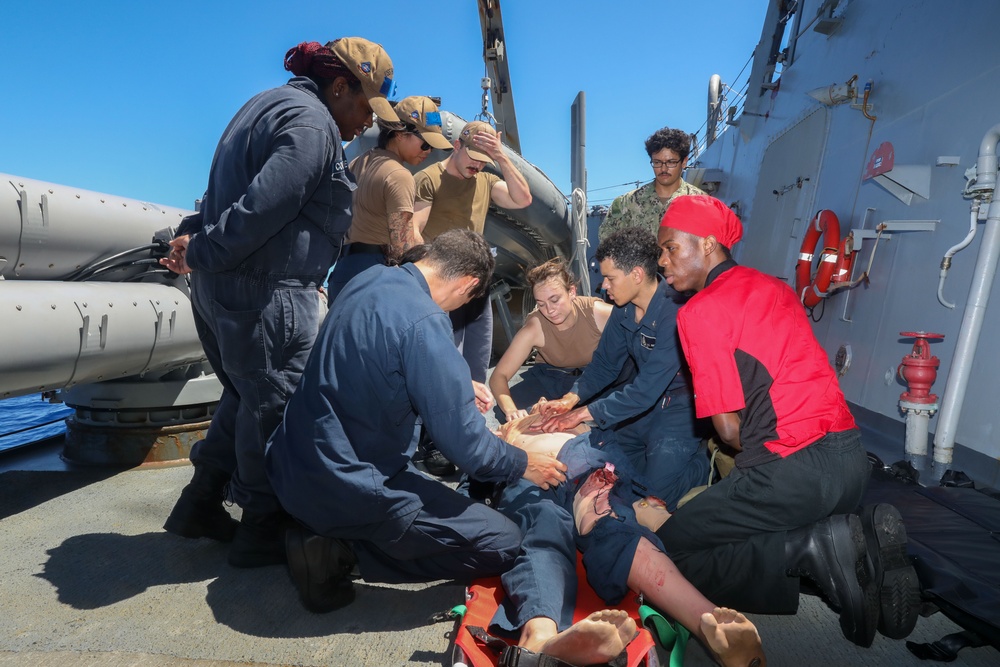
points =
(797, 144)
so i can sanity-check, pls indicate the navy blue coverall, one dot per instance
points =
(275, 212)
(340, 460)
(652, 417)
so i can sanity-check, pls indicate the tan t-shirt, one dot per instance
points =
(574, 347)
(456, 203)
(384, 187)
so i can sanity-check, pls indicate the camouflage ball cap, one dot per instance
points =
(469, 131)
(371, 64)
(422, 113)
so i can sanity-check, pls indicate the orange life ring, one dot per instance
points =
(810, 287)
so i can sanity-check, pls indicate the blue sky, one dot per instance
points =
(130, 98)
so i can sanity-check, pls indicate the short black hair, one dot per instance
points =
(414, 253)
(676, 140)
(388, 129)
(631, 247)
(458, 253)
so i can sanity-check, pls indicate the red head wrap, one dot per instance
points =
(312, 58)
(704, 216)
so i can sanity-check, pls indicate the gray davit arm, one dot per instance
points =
(59, 334)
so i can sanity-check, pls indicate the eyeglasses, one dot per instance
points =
(660, 164)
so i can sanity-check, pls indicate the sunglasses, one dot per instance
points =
(415, 132)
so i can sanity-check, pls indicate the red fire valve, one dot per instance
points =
(919, 369)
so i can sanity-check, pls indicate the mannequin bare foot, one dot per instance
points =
(596, 639)
(732, 638)
(536, 632)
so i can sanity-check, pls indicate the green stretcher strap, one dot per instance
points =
(672, 636)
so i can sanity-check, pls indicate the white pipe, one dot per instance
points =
(975, 307)
(916, 432)
(946, 260)
(968, 337)
(986, 164)
(578, 261)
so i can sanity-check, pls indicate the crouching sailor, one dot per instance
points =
(340, 461)
(786, 512)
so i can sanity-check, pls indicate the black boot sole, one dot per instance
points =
(318, 575)
(895, 577)
(850, 550)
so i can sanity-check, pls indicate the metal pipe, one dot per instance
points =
(864, 102)
(968, 337)
(916, 437)
(975, 309)
(946, 260)
(578, 173)
(986, 164)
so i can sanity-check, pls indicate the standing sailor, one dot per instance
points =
(668, 155)
(274, 215)
(456, 194)
(382, 228)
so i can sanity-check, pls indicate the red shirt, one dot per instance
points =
(752, 351)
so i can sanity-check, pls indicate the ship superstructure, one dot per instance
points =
(868, 110)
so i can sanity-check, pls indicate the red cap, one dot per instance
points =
(704, 216)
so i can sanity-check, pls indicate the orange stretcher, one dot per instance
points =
(485, 595)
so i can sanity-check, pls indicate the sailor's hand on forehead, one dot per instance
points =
(488, 144)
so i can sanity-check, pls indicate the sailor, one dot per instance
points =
(668, 155)
(382, 228)
(564, 329)
(456, 193)
(762, 377)
(340, 460)
(277, 206)
(652, 416)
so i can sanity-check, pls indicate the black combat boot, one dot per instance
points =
(434, 461)
(895, 577)
(259, 540)
(321, 569)
(832, 553)
(199, 511)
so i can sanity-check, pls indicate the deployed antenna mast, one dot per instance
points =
(495, 57)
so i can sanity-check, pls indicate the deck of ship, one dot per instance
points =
(90, 578)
